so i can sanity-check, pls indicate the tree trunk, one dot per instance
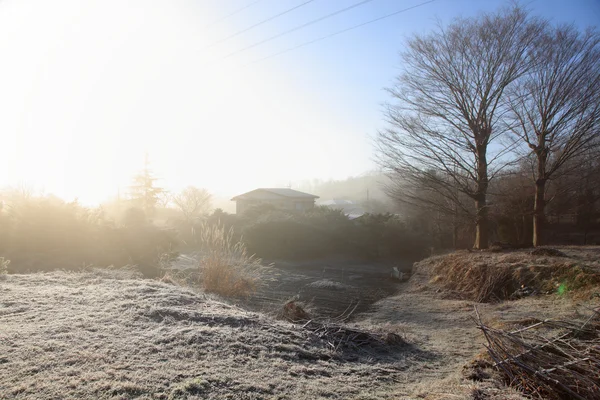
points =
(540, 191)
(481, 218)
(481, 228)
(539, 212)
(454, 235)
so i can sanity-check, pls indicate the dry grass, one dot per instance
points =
(490, 277)
(226, 267)
(4, 266)
(111, 335)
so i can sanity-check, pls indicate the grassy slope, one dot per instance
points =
(488, 277)
(97, 335)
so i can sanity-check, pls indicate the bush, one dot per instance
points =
(324, 232)
(147, 247)
(287, 238)
(46, 233)
(225, 265)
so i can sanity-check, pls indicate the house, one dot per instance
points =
(283, 198)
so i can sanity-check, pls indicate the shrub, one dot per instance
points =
(134, 217)
(47, 233)
(289, 239)
(147, 247)
(225, 265)
(324, 232)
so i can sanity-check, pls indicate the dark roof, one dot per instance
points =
(284, 192)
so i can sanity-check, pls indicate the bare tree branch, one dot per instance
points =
(192, 202)
(555, 107)
(447, 108)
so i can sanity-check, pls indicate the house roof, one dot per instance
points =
(284, 192)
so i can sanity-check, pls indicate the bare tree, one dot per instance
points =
(164, 199)
(555, 107)
(192, 202)
(449, 103)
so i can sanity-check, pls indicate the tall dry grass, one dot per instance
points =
(491, 277)
(3, 266)
(225, 265)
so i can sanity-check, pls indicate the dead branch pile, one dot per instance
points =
(343, 338)
(550, 359)
(338, 336)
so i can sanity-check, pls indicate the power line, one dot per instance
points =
(260, 23)
(231, 14)
(314, 21)
(339, 32)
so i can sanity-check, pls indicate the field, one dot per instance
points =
(112, 335)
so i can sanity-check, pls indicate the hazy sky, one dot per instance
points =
(87, 87)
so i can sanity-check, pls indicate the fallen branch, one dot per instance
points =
(337, 336)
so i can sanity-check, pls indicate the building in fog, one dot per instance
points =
(282, 198)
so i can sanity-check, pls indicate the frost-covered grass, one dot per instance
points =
(110, 334)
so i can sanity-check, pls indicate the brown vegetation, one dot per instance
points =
(225, 265)
(489, 277)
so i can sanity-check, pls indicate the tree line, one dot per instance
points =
(487, 105)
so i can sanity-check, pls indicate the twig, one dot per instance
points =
(548, 367)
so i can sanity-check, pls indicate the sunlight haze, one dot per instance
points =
(88, 88)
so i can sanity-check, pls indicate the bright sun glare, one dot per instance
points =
(92, 86)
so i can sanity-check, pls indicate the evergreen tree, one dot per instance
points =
(144, 192)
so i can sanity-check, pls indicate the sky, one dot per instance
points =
(87, 88)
